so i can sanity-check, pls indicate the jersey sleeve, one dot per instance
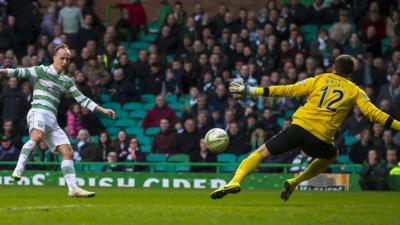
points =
(81, 98)
(298, 89)
(370, 110)
(22, 73)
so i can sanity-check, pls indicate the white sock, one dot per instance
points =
(26, 150)
(67, 167)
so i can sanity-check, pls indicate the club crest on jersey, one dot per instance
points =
(54, 89)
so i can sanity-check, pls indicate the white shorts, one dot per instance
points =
(53, 135)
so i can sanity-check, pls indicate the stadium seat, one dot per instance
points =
(95, 168)
(309, 32)
(227, 158)
(112, 105)
(134, 131)
(288, 113)
(72, 140)
(25, 139)
(349, 140)
(152, 131)
(139, 45)
(95, 139)
(184, 167)
(107, 122)
(280, 121)
(171, 98)
(132, 106)
(137, 115)
(385, 44)
(146, 148)
(119, 114)
(125, 123)
(345, 160)
(148, 106)
(179, 114)
(148, 38)
(112, 131)
(176, 106)
(158, 158)
(139, 122)
(144, 140)
(242, 157)
(105, 98)
(146, 98)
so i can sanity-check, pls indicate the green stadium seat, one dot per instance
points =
(112, 105)
(289, 113)
(146, 148)
(25, 139)
(139, 122)
(134, 131)
(139, 45)
(112, 131)
(171, 98)
(309, 32)
(125, 123)
(152, 131)
(137, 115)
(95, 138)
(148, 38)
(179, 114)
(158, 158)
(344, 159)
(385, 43)
(145, 140)
(105, 98)
(72, 140)
(107, 122)
(132, 106)
(242, 157)
(176, 106)
(153, 27)
(148, 106)
(184, 167)
(146, 98)
(121, 114)
(227, 158)
(280, 121)
(349, 140)
(95, 168)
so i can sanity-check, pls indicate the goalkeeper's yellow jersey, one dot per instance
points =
(330, 98)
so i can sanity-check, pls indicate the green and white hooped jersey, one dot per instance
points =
(49, 87)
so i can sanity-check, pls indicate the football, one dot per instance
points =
(217, 140)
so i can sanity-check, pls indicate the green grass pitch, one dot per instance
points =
(51, 206)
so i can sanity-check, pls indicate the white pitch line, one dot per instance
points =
(45, 207)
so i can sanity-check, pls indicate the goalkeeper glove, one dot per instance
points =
(238, 89)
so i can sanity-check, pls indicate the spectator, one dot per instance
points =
(153, 82)
(373, 174)
(8, 152)
(87, 32)
(96, 74)
(122, 90)
(42, 153)
(316, 12)
(238, 143)
(135, 154)
(164, 141)
(393, 25)
(343, 26)
(392, 157)
(220, 99)
(359, 150)
(355, 123)
(388, 143)
(170, 85)
(142, 67)
(8, 129)
(187, 141)
(269, 123)
(74, 120)
(200, 106)
(112, 165)
(158, 112)
(136, 14)
(128, 68)
(90, 122)
(300, 163)
(70, 18)
(13, 104)
(167, 42)
(203, 123)
(202, 155)
(104, 147)
(391, 90)
(121, 145)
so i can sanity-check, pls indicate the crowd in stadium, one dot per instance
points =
(190, 62)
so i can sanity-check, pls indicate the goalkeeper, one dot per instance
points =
(330, 97)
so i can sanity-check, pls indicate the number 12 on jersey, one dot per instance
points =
(339, 96)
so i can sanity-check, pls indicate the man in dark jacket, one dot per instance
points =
(13, 103)
(373, 174)
(153, 82)
(158, 112)
(187, 141)
(122, 90)
(203, 155)
(164, 141)
(359, 150)
(8, 152)
(238, 143)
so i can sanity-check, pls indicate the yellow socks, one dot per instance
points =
(246, 167)
(316, 167)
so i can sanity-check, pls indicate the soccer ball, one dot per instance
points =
(217, 140)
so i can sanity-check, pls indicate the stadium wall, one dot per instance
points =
(324, 182)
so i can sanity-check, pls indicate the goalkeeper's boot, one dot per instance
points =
(80, 193)
(231, 188)
(16, 175)
(288, 188)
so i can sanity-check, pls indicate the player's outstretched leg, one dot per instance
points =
(67, 167)
(245, 168)
(35, 136)
(316, 167)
